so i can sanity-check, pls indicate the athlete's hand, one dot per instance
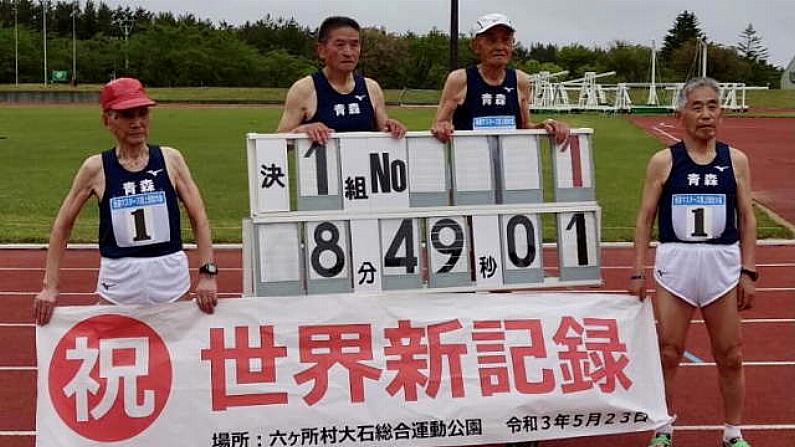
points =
(637, 286)
(207, 293)
(44, 304)
(394, 127)
(317, 132)
(442, 131)
(559, 130)
(746, 292)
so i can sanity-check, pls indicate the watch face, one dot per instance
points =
(209, 268)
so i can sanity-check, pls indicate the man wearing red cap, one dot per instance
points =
(138, 187)
(489, 95)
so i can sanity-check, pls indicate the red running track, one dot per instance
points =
(769, 331)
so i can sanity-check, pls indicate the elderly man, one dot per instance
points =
(490, 95)
(700, 191)
(336, 98)
(138, 187)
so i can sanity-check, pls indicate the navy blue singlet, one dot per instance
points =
(698, 202)
(487, 106)
(139, 211)
(352, 112)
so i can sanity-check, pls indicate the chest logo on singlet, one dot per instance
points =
(360, 97)
(154, 172)
(721, 168)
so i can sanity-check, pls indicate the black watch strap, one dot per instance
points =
(209, 269)
(752, 274)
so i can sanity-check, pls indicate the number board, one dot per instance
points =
(471, 248)
(367, 171)
(370, 213)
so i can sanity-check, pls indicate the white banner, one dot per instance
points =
(350, 370)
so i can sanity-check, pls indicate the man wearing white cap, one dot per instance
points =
(138, 187)
(490, 95)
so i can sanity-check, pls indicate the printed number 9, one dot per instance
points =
(452, 249)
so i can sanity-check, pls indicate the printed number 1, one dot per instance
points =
(320, 167)
(698, 230)
(140, 226)
(578, 221)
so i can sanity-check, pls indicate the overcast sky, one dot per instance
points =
(589, 22)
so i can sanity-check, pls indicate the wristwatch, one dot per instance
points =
(753, 275)
(209, 269)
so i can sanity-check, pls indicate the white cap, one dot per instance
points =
(489, 21)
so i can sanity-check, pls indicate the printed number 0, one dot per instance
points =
(329, 244)
(453, 249)
(140, 226)
(523, 221)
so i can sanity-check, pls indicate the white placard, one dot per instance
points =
(578, 239)
(521, 241)
(488, 255)
(279, 255)
(327, 249)
(318, 168)
(427, 165)
(374, 174)
(366, 254)
(520, 162)
(271, 180)
(574, 163)
(448, 249)
(400, 246)
(472, 163)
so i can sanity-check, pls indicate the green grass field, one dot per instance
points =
(42, 147)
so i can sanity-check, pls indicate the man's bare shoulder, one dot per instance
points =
(92, 164)
(303, 86)
(660, 161)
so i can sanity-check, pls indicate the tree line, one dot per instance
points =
(167, 50)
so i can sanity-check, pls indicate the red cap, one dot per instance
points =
(123, 94)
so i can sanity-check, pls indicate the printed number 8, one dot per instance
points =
(329, 244)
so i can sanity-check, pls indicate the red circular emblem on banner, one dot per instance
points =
(110, 377)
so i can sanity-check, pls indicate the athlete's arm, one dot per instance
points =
(453, 94)
(382, 120)
(300, 105)
(746, 224)
(188, 193)
(88, 181)
(656, 173)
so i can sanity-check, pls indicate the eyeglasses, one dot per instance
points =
(129, 114)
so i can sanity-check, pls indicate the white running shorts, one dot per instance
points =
(144, 281)
(697, 273)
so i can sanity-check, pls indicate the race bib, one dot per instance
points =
(698, 217)
(140, 219)
(494, 122)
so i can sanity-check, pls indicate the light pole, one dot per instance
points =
(16, 44)
(75, 9)
(44, 31)
(125, 24)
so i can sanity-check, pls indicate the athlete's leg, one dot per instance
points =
(673, 316)
(723, 323)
